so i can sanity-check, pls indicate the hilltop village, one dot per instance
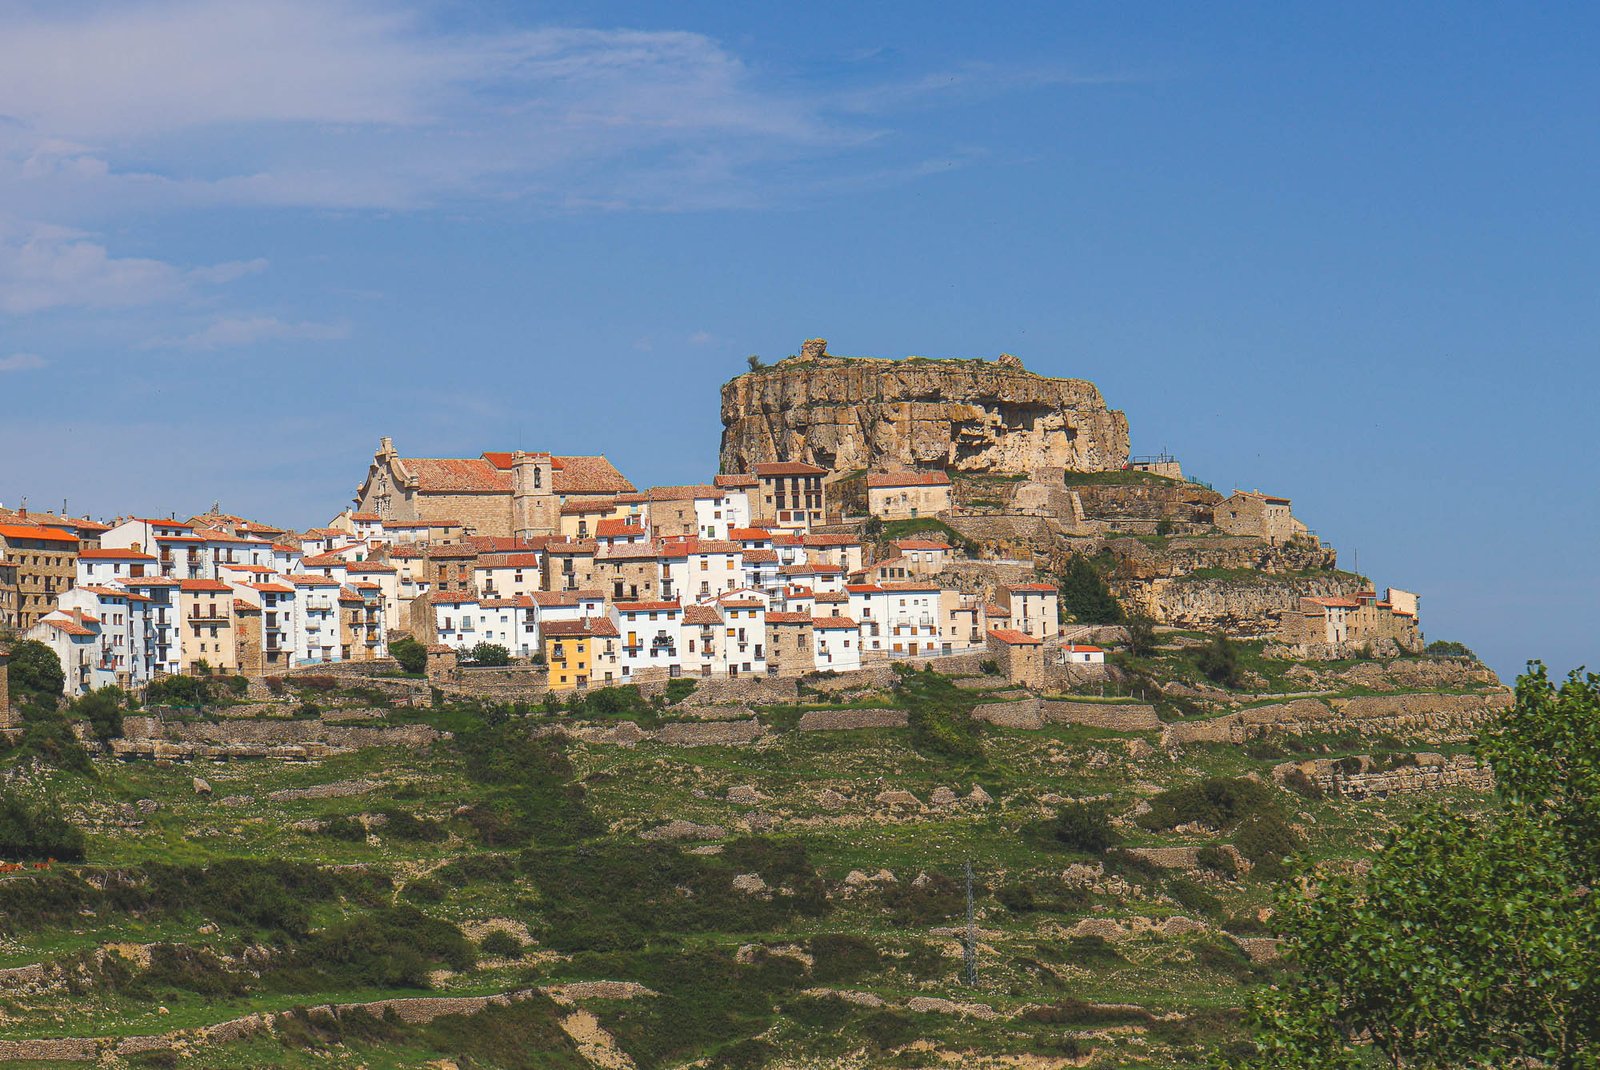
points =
(867, 511)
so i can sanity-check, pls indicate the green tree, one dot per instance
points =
(1084, 594)
(755, 362)
(412, 655)
(490, 654)
(1219, 661)
(35, 674)
(29, 831)
(1141, 635)
(1470, 942)
(102, 708)
(1450, 648)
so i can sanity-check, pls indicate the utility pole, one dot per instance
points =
(969, 953)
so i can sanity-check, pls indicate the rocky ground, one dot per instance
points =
(628, 885)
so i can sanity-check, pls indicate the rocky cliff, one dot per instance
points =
(850, 413)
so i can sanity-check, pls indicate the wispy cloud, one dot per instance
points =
(22, 362)
(44, 266)
(233, 332)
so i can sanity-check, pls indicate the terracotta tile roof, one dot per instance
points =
(863, 588)
(628, 551)
(602, 628)
(701, 615)
(789, 468)
(109, 592)
(908, 479)
(455, 475)
(550, 599)
(588, 475)
(500, 544)
(749, 534)
(908, 585)
(648, 607)
(366, 517)
(685, 547)
(562, 629)
(509, 561)
(823, 541)
(148, 581)
(1013, 638)
(347, 595)
(788, 618)
(206, 586)
(811, 569)
(364, 567)
(741, 603)
(633, 498)
(992, 610)
(570, 546)
(1076, 648)
(439, 598)
(922, 544)
(832, 597)
(735, 480)
(833, 622)
(761, 557)
(1271, 499)
(327, 560)
(113, 555)
(1336, 603)
(69, 627)
(254, 570)
(685, 492)
(35, 533)
(312, 581)
(788, 540)
(1041, 588)
(241, 606)
(270, 588)
(614, 529)
(579, 506)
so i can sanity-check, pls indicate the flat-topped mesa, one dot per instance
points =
(868, 413)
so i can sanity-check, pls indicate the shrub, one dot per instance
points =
(35, 674)
(47, 738)
(491, 655)
(424, 890)
(1084, 1015)
(1191, 896)
(1265, 837)
(1219, 661)
(412, 655)
(29, 832)
(841, 957)
(1084, 594)
(395, 947)
(1450, 648)
(178, 690)
(1084, 827)
(1090, 951)
(1217, 802)
(500, 944)
(939, 715)
(680, 689)
(347, 829)
(1141, 635)
(1215, 859)
(1301, 784)
(404, 825)
(102, 708)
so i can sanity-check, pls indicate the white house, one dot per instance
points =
(699, 570)
(105, 566)
(836, 643)
(650, 634)
(1077, 654)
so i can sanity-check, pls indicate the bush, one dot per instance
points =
(680, 689)
(1141, 635)
(347, 829)
(841, 957)
(1092, 951)
(1302, 785)
(179, 690)
(1450, 649)
(939, 715)
(29, 832)
(1191, 896)
(47, 738)
(1084, 827)
(102, 708)
(500, 944)
(1215, 859)
(490, 655)
(1220, 803)
(412, 655)
(1219, 661)
(1084, 594)
(1266, 838)
(395, 947)
(35, 675)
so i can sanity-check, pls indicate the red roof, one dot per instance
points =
(1042, 588)
(908, 479)
(741, 603)
(113, 555)
(647, 607)
(491, 473)
(509, 561)
(202, 586)
(748, 534)
(612, 529)
(69, 627)
(37, 534)
(820, 541)
(761, 557)
(579, 506)
(738, 479)
(701, 615)
(789, 468)
(833, 622)
(685, 547)
(863, 588)
(788, 618)
(1014, 638)
(1078, 648)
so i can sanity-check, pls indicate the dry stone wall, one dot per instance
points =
(1440, 718)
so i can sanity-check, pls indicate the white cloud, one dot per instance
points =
(231, 332)
(702, 338)
(345, 104)
(44, 266)
(21, 362)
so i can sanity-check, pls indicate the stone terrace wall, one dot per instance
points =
(1441, 718)
(1431, 772)
(1038, 712)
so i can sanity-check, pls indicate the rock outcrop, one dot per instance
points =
(850, 413)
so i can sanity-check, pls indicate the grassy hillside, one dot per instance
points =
(770, 904)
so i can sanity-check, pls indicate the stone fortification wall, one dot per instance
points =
(848, 414)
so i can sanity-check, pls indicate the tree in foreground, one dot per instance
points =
(1085, 596)
(1473, 941)
(412, 655)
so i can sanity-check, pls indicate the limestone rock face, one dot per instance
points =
(848, 413)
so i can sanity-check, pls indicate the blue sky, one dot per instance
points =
(1347, 253)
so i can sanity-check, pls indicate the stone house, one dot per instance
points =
(569, 565)
(8, 597)
(1020, 657)
(628, 571)
(206, 607)
(906, 495)
(790, 644)
(6, 720)
(1360, 619)
(582, 517)
(43, 563)
(1033, 608)
(496, 493)
(788, 495)
(1265, 516)
(845, 551)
